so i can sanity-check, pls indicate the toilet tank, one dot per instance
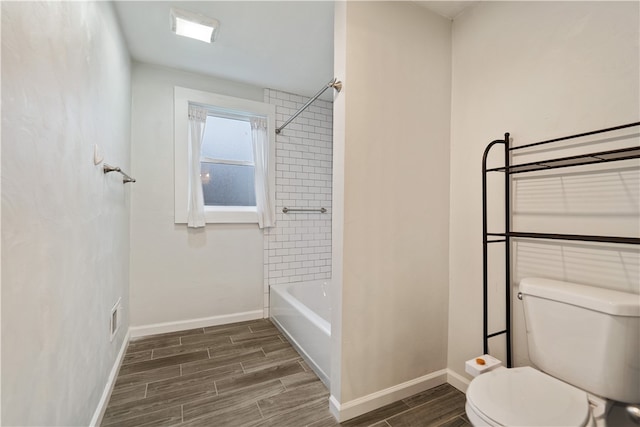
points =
(586, 336)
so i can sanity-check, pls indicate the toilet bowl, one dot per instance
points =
(526, 397)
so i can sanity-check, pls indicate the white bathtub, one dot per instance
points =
(302, 311)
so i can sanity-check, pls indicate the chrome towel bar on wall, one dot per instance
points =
(287, 210)
(125, 178)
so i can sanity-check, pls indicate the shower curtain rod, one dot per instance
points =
(337, 85)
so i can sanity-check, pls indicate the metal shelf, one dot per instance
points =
(575, 237)
(508, 234)
(584, 159)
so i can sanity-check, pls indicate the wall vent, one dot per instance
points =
(115, 319)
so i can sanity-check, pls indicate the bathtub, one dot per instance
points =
(302, 311)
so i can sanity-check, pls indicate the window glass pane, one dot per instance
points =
(227, 185)
(227, 139)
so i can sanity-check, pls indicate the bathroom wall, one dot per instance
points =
(391, 202)
(65, 224)
(298, 248)
(180, 274)
(539, 70)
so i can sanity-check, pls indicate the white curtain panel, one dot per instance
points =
(195, 210)
(264, 203)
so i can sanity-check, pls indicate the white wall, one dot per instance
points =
(180, 274)
(298, 248)
(65, 224)
(539, 70)
(391, 198)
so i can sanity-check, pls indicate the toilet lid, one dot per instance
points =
(527, 397)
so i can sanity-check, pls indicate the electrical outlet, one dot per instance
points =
(115, 319)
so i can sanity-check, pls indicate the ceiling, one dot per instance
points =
(448, 9)
(280, 45)
(284, 45)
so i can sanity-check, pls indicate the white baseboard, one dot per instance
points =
(362, 405)
(334, 407)
(457, 380)
(163, 328)
(106, 394)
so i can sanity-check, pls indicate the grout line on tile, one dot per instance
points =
(399, 413)
(260, 410)
(449, 419)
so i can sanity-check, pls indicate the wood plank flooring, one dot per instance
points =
(246, 374)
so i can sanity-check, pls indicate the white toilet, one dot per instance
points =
(586, 342)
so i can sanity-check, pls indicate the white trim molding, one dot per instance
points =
(362, 405)
(96, 420)
(458, 381)
(181, 325)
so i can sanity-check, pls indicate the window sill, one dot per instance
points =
(230, 214)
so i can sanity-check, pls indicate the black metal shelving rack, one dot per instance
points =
(508, 234)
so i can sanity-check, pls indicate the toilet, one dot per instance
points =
(585, 344)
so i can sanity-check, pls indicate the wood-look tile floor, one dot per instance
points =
(246, 374)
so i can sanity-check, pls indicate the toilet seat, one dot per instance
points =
(527, 397)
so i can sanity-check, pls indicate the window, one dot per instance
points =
(226, 162)
(227, 166)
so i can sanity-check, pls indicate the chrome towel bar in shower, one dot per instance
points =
(125, 178)
(287, 210)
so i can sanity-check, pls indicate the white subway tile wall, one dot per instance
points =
(298, 248)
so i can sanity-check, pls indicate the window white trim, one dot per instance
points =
(227, 162)
(239, 106)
